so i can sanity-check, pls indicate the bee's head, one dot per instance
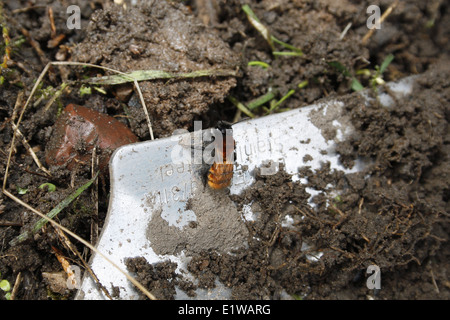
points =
(222, 126)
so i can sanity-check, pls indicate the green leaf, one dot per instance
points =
(297, 297)
(50, 186)
(356, 85)
(85, 90)
(340, 67)
(386, 62)
(4, 285)
(363, 72)
(22, 190)
(303, 84)
(258, 63)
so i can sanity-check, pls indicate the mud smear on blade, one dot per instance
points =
(217, 226)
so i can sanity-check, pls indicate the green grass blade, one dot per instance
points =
(287, 95)
(143, 75)
(356, 85)
(288, 46)
(261, 100)
(264, 31)
(249, 12)
(258, 63)
(251, 16)
(287, 53)
(303, 84)
(386, 62)
(241, 106)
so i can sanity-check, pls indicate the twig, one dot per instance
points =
(16, 105)
(94, 195)
(136, 85)
(36, 46)
(141, 97)
(29, 149)
(55, 224)
(6, 40)
(344, 216)
(16, 285)
(361, 202)
(55, 96)
(10, 224)
(434, 281)
(344, 32)
(144, 75)
(313, 217)
(52, 22)
(20, 10)
(68, 244)
(348, 254)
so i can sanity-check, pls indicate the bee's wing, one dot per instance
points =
(198, 147)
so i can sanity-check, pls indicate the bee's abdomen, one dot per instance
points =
(220, 175)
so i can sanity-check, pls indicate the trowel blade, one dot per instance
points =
(149, 211)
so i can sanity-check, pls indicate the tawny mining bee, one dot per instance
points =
(220, 174)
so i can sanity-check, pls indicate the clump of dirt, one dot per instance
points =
(209, 231)
(161, 35)
(160, 279)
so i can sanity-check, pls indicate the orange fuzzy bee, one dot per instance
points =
(220, 174)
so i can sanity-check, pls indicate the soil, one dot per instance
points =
(210, 209)
(394, 214)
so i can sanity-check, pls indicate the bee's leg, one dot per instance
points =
(204, 176)
(205, 180)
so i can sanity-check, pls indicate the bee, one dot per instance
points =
(220, 173)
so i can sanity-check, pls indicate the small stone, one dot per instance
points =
(78, 130)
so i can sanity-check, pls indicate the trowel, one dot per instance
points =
(161, 210)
